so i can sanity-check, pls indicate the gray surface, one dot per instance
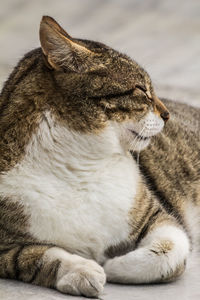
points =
(163, 36)
(186, 288)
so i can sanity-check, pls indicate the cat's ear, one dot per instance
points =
(62, 51)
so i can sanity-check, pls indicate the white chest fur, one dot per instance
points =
(77, 189)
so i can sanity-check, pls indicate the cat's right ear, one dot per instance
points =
(62, 51)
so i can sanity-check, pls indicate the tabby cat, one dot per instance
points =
(77, 207)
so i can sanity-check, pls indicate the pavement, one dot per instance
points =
(164, 37)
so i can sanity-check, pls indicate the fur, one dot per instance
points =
(73, 168)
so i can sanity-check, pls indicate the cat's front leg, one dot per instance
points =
(161, 256)
(76, 275)
(52, 267)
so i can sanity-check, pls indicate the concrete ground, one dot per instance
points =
(163, 36)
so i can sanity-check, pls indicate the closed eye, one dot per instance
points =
(116, 95)
(144, 90)
(141, 87)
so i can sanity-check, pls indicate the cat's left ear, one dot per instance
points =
(62, 51)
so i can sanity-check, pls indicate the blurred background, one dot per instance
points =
(162, 35)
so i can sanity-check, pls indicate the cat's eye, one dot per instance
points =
(144, 90)
(141, 87)
(115, 95)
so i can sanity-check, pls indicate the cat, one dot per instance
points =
(77, 207)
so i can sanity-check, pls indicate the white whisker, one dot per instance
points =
(137, 139)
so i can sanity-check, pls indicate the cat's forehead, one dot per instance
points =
(114, 58)
(121, 65)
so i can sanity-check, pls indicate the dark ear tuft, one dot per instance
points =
(62, 51)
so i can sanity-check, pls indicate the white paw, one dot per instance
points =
(86, 278)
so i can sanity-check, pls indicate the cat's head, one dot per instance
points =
(100, 87)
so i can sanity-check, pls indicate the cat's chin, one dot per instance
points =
(136, 142)
(139, 145)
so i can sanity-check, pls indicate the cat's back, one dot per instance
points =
(185, 116)
(180, 139)
(171, 163)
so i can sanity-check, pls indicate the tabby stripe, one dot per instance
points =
(35, 274)
(6, 98)
(37, 269)
(3, 254)
(146, 227)
(13, 233)
(54, 271)
(49, 272)
(5, 251)
(15, 262)
(26, 72)
(169, 208)
(16, 73)
(144, 216)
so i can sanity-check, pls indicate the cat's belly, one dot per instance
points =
(83, 217)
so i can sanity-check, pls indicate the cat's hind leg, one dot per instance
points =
(160, 256)
(52, 267)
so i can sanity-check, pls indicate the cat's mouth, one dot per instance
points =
(141, 137)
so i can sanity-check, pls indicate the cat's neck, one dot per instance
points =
(77, 151)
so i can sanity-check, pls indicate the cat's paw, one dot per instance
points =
(86, 279)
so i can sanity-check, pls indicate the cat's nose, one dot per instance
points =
(165, 115)
(160, 109)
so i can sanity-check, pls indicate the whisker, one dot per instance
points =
(137, 139)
